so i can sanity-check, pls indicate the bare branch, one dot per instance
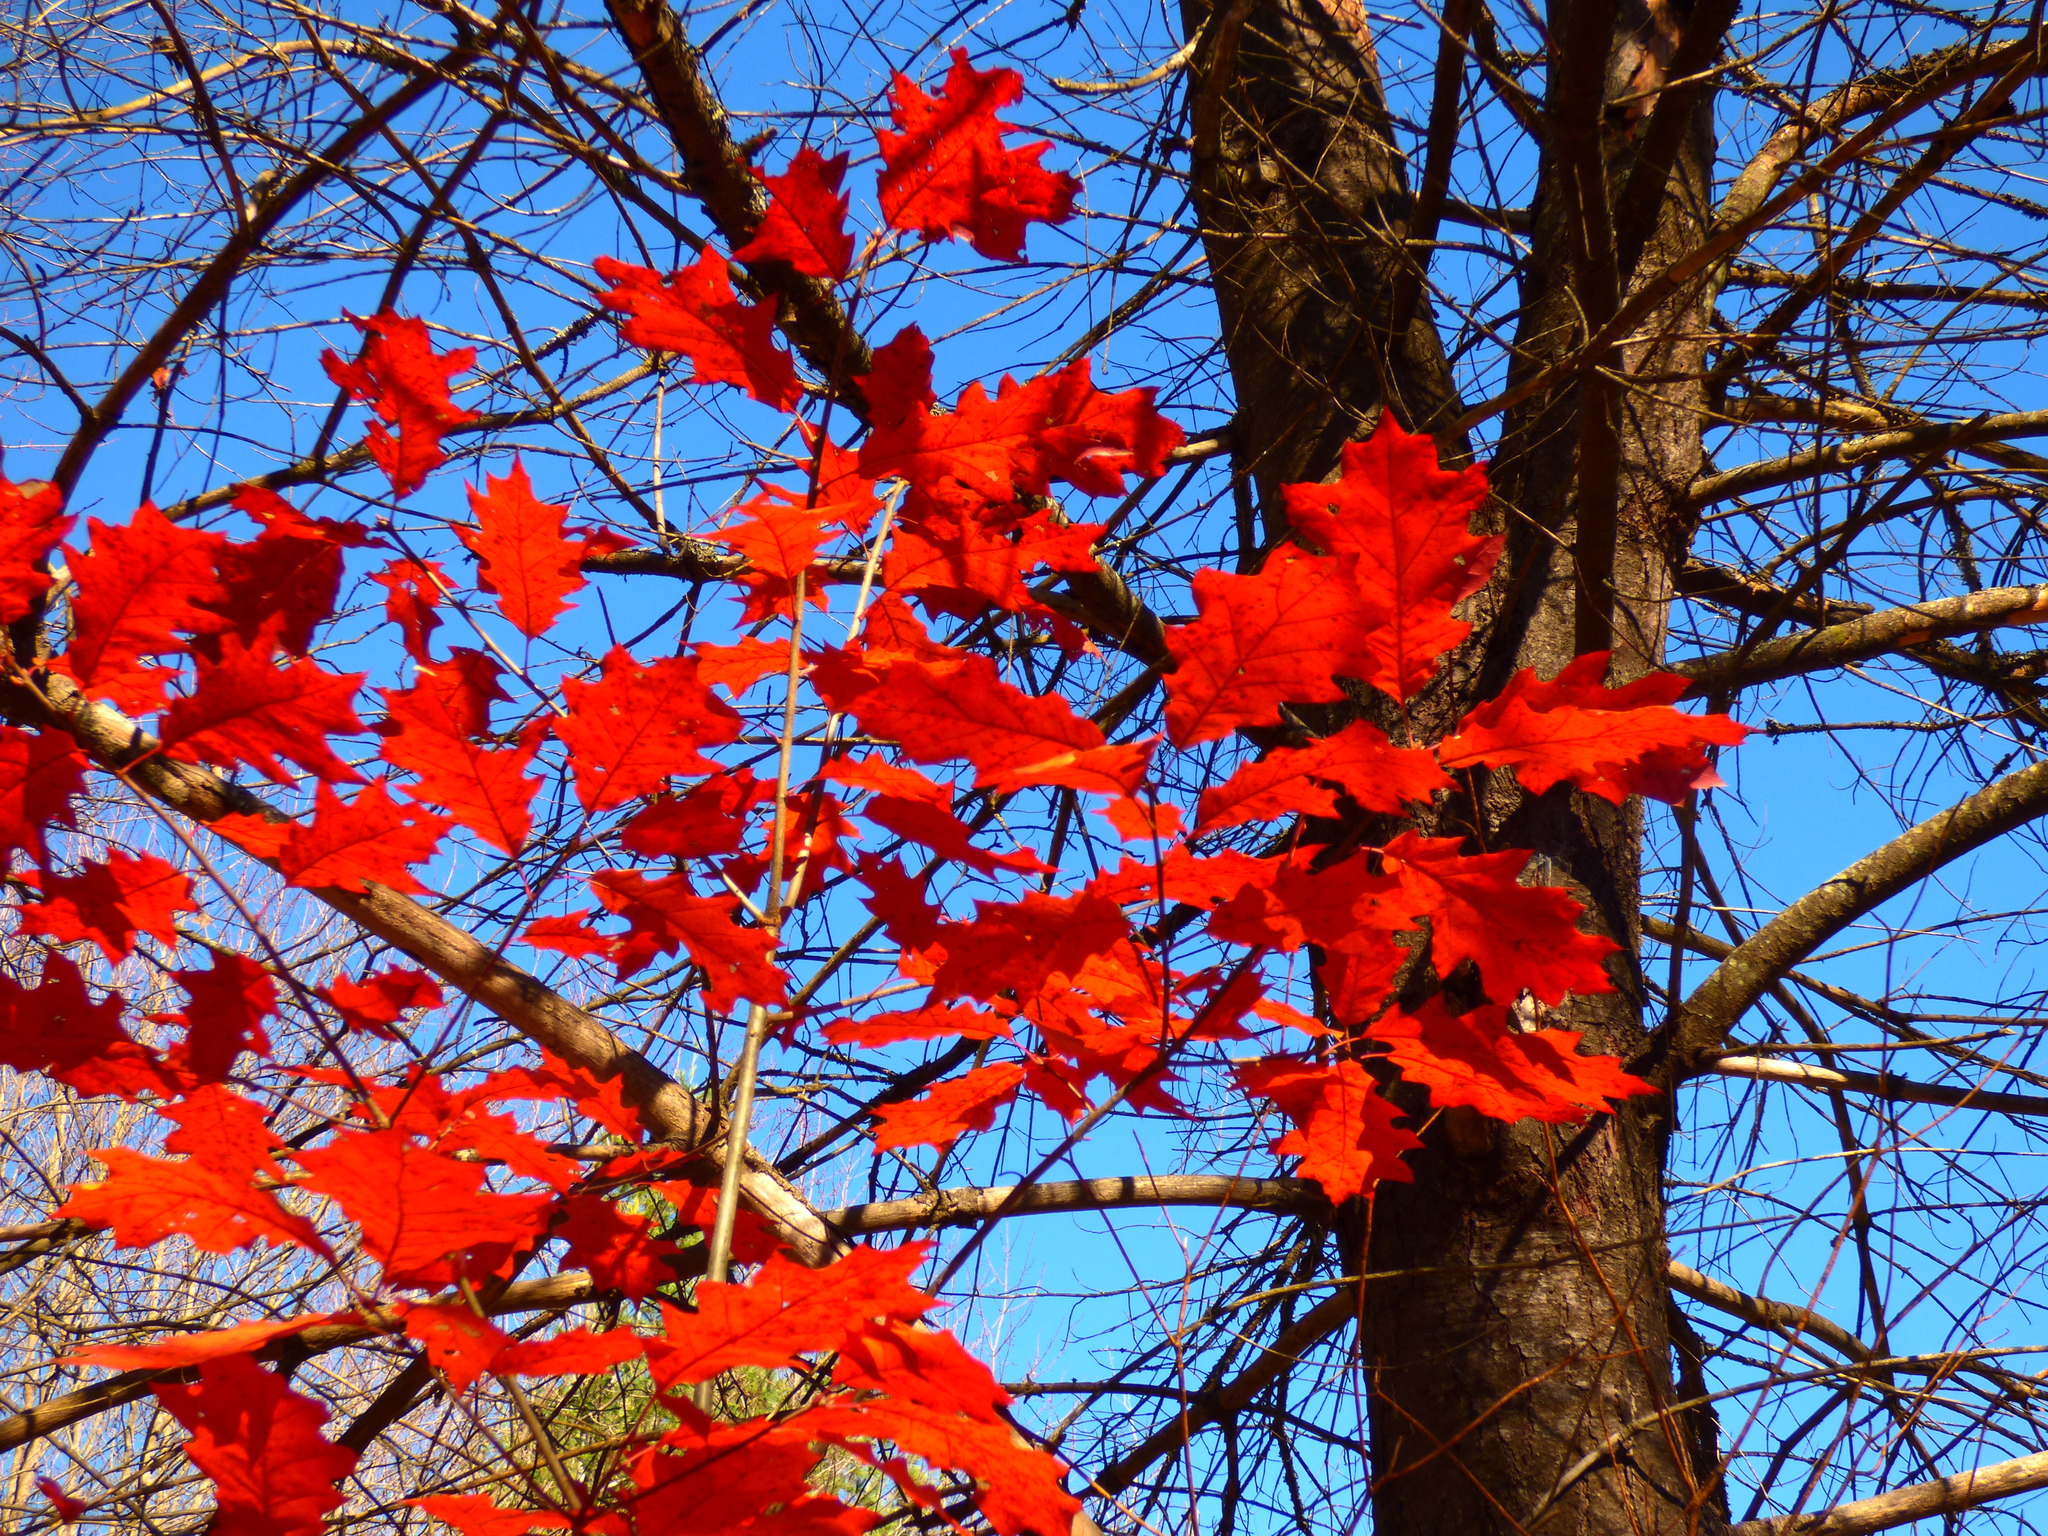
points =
(1903, 1506)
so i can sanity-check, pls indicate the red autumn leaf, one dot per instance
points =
(1283, 636)
(1021, 946)
(696, 1205)
(618, 1247)
(899, 901)
(780, 536)
(1479, 1060)
(56, 1028)
(372, 837)
(1017, 1487)
(209, 1196)
(109, 903)
(786, 1311)
(921, 1365)
(961, 708)
(708, 821)
(431, 730)
(405, 381)
(694, 311)
(140, 588)
(1407, 522)
(499, 1139)
(806, 221)
(1344, 1132)
(289, 576)
(603, 1100)
(248, 709)
(1140, 821)
(747, 1479)
(458, 1343)
(983, 452)
(39, 773)
(639, 724)
(570, 933)
(32, 523)
(230, 1002)
(737, 962)
(475, 1515)
(523, 550)
(413, 591)
(69, 1511)
(1610, 742)
(1520, 936)
(175, 1351)
(379, 1001)
(258, 836)
(737, 667)
(931, 1022)
(943, 1114)
(425, 1217)
(910, 805)
(946, 171)
(573, 1352)
(273, 1472)
(1358, 760)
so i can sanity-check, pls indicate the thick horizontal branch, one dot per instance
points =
(969, 1206)
(1767, 955)
(1878, 1085)
(667, 1108)
(1903, 1506)
(1780, 1316)
(1859, 639)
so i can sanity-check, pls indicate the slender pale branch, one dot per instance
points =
(1879, 1085)
(1921, 1501)
(967, 1207)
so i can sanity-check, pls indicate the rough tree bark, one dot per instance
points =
(1521, 1375)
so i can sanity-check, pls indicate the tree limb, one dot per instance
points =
(969, 1206)
(1921, 1501)
(1877, 1084)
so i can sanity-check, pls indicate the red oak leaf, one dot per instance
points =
(946, 170)
(1344, 1132)
(1020, 946)
(1520, 936)
(806, 221)
(694, 311)
(737, 962)
(570, 933)
(260, 1442)
(737, 667)
(109, 903)
(175, 1351)
(573, 1352)
(424, 1216)
(413, 591)
(747, 1479)
(372, 837)
(499, 1139)
(780, 537)
(1016, 1486)
(696, 1205)
(910, 805)
(379, 1001)
(32, 523)
(39, 773)
(1477, 1059)
(1610, 742)
(289, 576)
(431, 730)
(787, 1311)
(603, 1100)
(921, 1365)
(942, 1115)
(899, 901)
(458, 1343)
(706, 822)
(1282, 636)
(140, 587)
(640, 723)
(69, 1511)
(1057, 426)
(1358, 760)
(523, 550)
(56, 1028)
(618, 1247)
(405, 381)
(475, 1515)
(248, 709)
(230, 1002)
(931, 1022)
(1406, 520)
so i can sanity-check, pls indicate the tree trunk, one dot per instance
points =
(1521, 1368)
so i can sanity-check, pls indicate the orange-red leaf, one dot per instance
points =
(694, 311)
(379, 1001)
(912, 806)
(617, 1246)
(639, 724)
(174, 1351)
(1610, 742)
(32, 522)
(140, 587)
(274, 1474)
(405, 381)
(231, 1000)
(1016, 1485)
(431, 730)
(1021, 946)
(1358, 760)
(737, 962)
(523, 550)
(573, 1352)
(1407, 522)
(372, 837)
(289, 576)
(248, 709)
(1477, 1059)
(413, 591)
(475, 1515)
(780, 537)
(709, 820)
(806, 221)
(458, 1343)
(39, 773)
(109, 903)
(1282, 636)
(942, 1115)
(1344, 1132)
(946, 170)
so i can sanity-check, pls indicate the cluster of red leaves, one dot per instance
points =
(433, 1191)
